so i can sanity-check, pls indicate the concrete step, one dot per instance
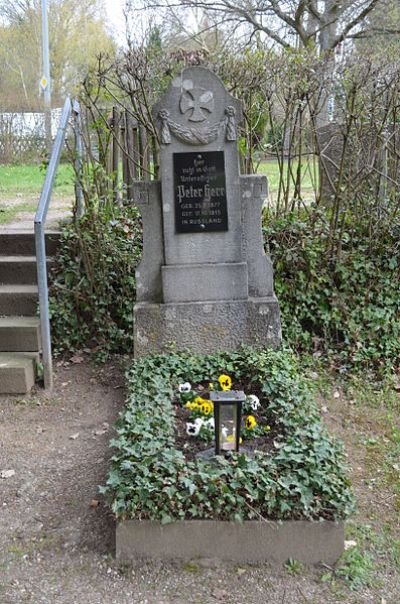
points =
(18, 269)
(19, 334)
(22, 243)
(18, 300)
(17, 372)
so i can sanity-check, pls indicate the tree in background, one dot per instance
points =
(291, 23)
(77, 34)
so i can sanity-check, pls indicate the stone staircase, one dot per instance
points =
(19, 323)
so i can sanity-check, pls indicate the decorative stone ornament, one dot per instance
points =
(204, 281)
(198, 102)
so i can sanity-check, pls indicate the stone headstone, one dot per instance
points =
(204, 282)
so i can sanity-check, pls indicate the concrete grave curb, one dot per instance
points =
(250, 542)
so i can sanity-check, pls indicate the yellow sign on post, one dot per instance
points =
(43, 83)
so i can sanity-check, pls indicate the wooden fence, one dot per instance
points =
(131, 147)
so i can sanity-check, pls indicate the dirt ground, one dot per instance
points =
(56, 534)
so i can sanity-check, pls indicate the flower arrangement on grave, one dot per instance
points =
(199, 409)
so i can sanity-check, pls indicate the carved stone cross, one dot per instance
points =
(199, 102)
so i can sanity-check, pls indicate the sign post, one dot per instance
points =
(45, 80)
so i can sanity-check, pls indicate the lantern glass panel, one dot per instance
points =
(228, 423)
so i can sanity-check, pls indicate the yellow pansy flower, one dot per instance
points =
(206, 407)
(225, 382)
(199, 400)
(250, 422)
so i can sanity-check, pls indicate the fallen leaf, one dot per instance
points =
(99, 432)
(349, 544)
(7, 473)
(76, 359)
(241, 571)
(336, 394)
(324, 409)
(74, 436)
(220, 594)
(94, 503)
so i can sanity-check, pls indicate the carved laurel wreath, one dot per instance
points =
(197, 136)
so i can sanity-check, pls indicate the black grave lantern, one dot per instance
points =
(227, 418)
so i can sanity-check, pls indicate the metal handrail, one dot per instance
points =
(40, 223)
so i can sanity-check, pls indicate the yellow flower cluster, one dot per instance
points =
(201, 405)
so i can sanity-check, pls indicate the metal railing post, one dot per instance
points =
(44, 305)
(78, 159)
(40, 242)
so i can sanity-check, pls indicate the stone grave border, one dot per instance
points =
(253, 541)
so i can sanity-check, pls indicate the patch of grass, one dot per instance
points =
(358, 564)
(356, 567)
(8, 214)
(28, 179)
(271, 169)
(294, 567)
(191, 567)
(16, 550)
(365, 390)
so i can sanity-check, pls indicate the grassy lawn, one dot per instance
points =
(28, 180)
(8, 213)
(309, 169)
(366, 415)
(20, 188)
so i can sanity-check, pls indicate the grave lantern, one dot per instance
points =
(227, 417)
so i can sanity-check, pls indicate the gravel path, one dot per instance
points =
(56, 535)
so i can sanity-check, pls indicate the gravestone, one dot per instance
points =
(204, 282)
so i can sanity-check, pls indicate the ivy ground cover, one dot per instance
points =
(302, 475)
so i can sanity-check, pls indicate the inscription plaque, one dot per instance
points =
(200, 192)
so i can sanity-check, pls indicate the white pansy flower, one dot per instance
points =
(192, 428)
(254, 401)
(210, 423)
(186, 387)
(199, 421)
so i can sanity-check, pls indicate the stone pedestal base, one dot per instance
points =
(206, 327)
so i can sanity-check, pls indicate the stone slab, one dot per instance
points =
(16, 242)
(17, 373)
(148, 274)
(254, 191)
(191, 134)
(250, 542)
(18, 300)
(18, 269)
(207, 327)
(19, 334)
(198, 282)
